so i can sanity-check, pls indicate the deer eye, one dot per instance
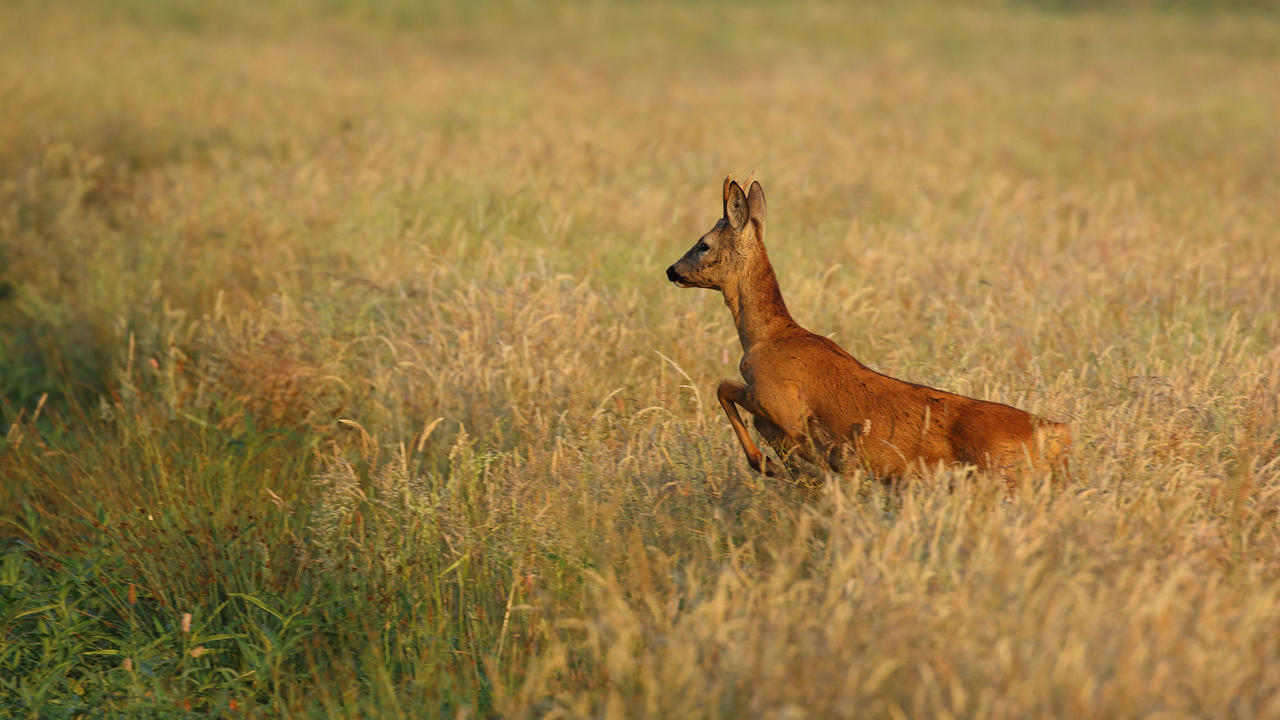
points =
(702, 247)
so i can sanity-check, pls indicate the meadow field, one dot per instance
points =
(340, 377)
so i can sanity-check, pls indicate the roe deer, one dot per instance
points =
(813, 400)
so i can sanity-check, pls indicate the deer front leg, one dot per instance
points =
(791, 450)
(732, 394)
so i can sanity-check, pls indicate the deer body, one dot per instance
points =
(811, 399)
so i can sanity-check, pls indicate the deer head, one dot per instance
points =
(724, 252)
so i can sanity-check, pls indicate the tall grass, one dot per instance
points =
(339, 376)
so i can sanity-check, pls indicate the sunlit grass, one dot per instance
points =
(343, 329)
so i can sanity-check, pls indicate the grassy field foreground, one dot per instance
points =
(340, 376)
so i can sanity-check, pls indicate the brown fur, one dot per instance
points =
(813, 400)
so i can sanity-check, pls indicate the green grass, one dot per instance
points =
(342, 328)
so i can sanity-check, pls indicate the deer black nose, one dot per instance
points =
(672, 275)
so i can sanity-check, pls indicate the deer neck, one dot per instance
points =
(755, 300)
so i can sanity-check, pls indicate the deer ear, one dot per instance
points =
(728, 180)
(755, 202)
(735, 207)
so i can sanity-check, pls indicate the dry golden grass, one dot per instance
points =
(358, 345)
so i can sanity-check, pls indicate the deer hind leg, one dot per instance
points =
(1044, 456)
(732, 394)
(1054, 446)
